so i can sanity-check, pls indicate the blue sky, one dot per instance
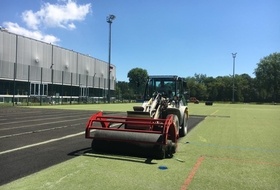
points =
(181, 37)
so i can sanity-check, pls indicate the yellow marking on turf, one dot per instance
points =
(41, 143)
(202, 139)
(214, 112)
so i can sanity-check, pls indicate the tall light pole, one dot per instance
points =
(110, 18)
(51, 67)
(93, 87)
(233, 56)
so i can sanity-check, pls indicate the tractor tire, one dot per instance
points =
(176, 121)
(170, 149)
(184, 128)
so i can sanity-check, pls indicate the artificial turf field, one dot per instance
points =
(237, 146)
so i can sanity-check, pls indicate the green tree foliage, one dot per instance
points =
(191, 85)
(124, 91)
(245, 90)
(137, 79)
(268, 76)
(118, 91)
(224, 87)
(264, 88)
(212, 90)
(220, 88)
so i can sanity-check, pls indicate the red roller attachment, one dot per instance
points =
(117, 133)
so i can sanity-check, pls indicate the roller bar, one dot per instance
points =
(122, 125)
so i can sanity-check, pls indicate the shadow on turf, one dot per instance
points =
(120, 157)
(79, 152)
(123, 157)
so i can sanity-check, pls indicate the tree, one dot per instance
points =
(121, 88)
(200, 78)
(268, 75)
(118, 91)
(137, 80)
(244, 88)
(211, 87)
(191, 85)
(264, 87)
(197, 86)
(224, 88)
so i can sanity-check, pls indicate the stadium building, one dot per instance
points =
(35, 71)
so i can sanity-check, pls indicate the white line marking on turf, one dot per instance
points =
(38, 131)
(63, 118)
(35, 125)
(41, 143)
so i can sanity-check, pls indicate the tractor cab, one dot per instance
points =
(169, 86)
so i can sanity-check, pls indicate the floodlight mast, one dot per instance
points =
(233, 56)
(110, 18)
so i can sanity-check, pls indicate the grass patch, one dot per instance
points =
(234, 174)
(241, 151)
(247, 144)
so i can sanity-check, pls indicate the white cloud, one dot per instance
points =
(30, 19)
(63, 14)
(15, 28)
(56, 15)
(71, 26)
(50, 39)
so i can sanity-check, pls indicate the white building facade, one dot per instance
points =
(31, 68)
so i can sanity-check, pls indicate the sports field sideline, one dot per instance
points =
(237, 146)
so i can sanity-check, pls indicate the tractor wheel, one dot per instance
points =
(176, 121)
(170, 149)
(184, 128)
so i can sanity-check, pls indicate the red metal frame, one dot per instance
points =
(168, 128)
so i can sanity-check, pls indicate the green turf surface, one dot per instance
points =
(235, 147)
(242, 152)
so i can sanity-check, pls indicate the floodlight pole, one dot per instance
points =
(51, 67)
(110, 18)
(233, 56)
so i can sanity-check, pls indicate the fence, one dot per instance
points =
(21, 83)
